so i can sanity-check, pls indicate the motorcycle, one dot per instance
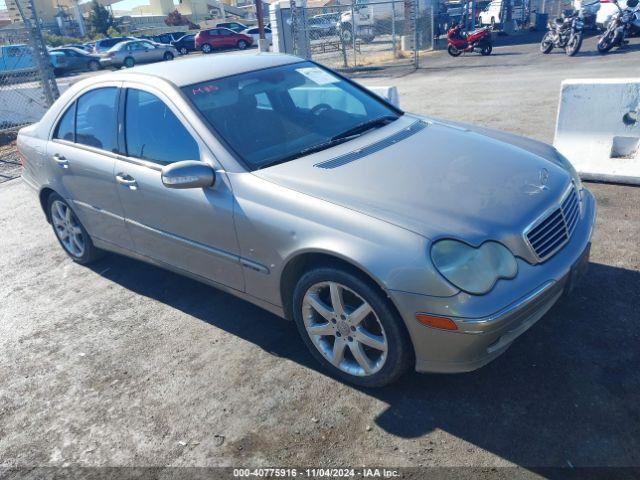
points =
(565, 32)
(459, 42)
(619, 28)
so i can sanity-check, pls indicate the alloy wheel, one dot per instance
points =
(344, 328)
(67, 228)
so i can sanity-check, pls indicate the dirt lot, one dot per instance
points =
(123, 364)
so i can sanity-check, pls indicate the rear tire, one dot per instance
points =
(129, 62)
(606, 42)
(93, 65)
(71, 234)
(382, 325)
(168, 56)
(546, 45)
(206, 48)
(183, 51)
(486, 50)
(453, 51)
(242, 45)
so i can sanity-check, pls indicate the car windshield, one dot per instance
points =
(277, 114)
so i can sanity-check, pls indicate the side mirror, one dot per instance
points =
(188, 174)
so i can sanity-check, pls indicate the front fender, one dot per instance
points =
(275, 225)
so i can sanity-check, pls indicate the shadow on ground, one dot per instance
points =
(566, 393)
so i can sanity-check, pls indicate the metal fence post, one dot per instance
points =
(40, 53)
(393, 29)
(353, 31)
(414, 26)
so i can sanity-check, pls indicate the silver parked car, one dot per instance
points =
(134, 52)
(393, 240)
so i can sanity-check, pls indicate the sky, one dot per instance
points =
(124, 5)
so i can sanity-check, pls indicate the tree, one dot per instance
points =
(176, 19)
(101, 20)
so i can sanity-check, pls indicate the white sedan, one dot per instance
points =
(254, 33)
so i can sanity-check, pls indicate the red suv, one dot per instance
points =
(207, 40)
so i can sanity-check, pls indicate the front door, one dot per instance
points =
(81, 158)
(191, 229)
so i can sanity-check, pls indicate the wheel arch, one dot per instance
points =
(302, 262)
(306, 261)
(43, 196)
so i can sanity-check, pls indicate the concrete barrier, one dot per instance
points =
(598, 128)
(390, 94)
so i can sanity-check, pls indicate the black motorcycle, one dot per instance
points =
(619, 28)
(564, 32)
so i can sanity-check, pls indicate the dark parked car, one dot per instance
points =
(105, 44)
(208, 40)
(185, 44)
(78, 60)
(321, 26)
(168, 37)
(234, 26)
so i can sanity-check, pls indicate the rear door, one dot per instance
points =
(190, 229)
(81, 159)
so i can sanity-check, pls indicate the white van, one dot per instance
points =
(492, 15)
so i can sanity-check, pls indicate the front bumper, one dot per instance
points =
(488, 324)
(107, 62)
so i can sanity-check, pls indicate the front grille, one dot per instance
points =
(551, 233)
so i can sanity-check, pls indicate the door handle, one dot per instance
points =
(60, 160)
(126, 180)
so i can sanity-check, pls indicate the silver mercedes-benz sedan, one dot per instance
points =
(394, 241)
(134, 52)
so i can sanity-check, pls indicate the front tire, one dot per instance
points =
(129, 62)
(93, 66)
(453, 51)
(242, 45)
(574, 44)
(206, 48)
(168, 56)
(71, 234)
(350, 328)
(546, 45)
(183, 50)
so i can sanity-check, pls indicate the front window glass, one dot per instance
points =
(275, 115)
(96, 119)
(154, 133)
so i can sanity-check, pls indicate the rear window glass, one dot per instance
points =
(96, 119)
(64, 129)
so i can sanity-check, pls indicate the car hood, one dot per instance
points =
(443, 180)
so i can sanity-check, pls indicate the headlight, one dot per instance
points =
(474, 270)
(566, 164)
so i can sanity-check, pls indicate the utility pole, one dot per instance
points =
(263, 44)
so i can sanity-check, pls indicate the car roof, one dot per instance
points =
(205, 67)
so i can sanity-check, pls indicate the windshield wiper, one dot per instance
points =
(364, 126)
(335, 140)
(307, 151)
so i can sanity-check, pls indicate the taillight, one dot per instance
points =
(606, 1)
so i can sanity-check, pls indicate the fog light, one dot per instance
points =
(442, 323)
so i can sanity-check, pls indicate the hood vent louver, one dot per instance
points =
(373, 148)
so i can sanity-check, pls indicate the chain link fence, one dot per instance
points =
(366, 34)
(27, 82)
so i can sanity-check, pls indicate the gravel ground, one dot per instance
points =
(124, 364)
